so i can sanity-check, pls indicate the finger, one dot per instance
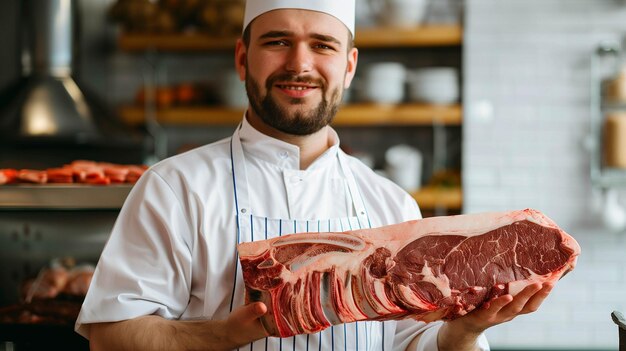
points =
(537, 299)
(247, 313)
(496, 304)
(519, 301)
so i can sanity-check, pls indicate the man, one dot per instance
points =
(168, 278)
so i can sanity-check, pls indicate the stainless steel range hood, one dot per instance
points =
(48, 104)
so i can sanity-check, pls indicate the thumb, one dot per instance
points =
(247, 313)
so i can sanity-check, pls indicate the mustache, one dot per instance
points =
(290, 78)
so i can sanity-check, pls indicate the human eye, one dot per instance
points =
(276, 43)
(324, 47)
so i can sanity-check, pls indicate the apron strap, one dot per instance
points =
(240, 176)
(355, 193)
(241, 197)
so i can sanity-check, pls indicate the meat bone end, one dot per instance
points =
(347, 241)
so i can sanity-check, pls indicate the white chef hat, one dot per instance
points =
(343, 10)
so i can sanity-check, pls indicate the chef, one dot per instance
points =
(168, 277)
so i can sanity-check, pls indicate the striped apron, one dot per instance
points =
(351, 336)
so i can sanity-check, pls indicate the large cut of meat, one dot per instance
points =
(429, 269)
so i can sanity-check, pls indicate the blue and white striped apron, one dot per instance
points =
(351, 336)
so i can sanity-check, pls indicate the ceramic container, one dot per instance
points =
(384, 83)
(434, 85)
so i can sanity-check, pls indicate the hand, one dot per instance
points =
(244, 326)
(462, 333)
(504, 308)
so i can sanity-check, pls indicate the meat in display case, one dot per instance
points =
(51, 237)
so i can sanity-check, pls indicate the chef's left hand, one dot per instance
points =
(461, 333)
(506, 307)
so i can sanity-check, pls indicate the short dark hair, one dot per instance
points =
(246, 38)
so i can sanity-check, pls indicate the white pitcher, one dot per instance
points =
(403, 166)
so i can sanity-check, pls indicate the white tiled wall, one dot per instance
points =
(526, 96)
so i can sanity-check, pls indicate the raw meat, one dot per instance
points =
(60, 175)
(58, 280)
(429, 269)
(80, 172)
(7, 176)
(32, 176)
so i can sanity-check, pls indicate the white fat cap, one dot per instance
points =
(343, 10)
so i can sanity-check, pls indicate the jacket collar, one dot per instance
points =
(282, 154)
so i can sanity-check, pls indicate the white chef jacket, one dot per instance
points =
(172, 243)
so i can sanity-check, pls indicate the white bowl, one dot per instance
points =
(435, 85)
(384, 83)
(433, 73)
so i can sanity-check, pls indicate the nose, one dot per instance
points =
(300, 59)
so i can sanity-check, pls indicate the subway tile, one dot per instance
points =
(593, 312)
(600, 237)
(566, 335)
(551, 312)
(482, 177)
(498, 335)
(486, 193)
(515, 334)
(481, 208)
(614, 255)
(486, 204)
(521, 178)
(607, 338)
(482, 159)
(571, 295)
(609, 292)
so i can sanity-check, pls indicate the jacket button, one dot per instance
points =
(295, 179)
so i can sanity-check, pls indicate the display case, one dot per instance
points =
(40, 224)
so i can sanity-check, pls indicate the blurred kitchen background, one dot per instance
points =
(471, 105)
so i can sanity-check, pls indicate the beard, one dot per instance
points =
(300, 122)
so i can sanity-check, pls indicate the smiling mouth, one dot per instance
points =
(295, 87)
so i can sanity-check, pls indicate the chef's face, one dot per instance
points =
(296, 65)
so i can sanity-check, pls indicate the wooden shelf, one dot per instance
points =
(134, 42)
(133, 115)
(349, 115)
(434, 197)
(430, 35)
(375, 37)
(398, 115)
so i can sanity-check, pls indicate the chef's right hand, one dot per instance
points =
(244, 326)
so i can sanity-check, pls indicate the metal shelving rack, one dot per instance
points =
(63, 197)
(603, 177)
